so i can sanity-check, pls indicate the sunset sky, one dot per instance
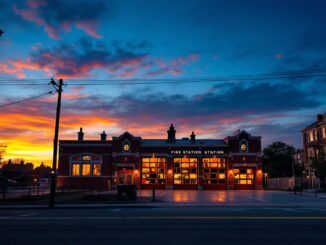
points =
(88, 41)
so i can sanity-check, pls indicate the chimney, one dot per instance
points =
(319, 118)
(81, 134)
(103, 136)
(171, 134)
(193, 137)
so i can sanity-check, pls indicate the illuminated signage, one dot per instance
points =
(196, 152)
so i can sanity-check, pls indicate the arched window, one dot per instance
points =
(243, 146)
(85, 165)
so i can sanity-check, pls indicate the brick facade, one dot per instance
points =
(180, 164)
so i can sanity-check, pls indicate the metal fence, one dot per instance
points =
(288, 183)
(35, 190)
(23, 191)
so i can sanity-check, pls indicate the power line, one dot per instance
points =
(34, 97)
(138, 81)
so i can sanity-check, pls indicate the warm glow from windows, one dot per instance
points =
(86, 169)
(311, 136)
(96, 169)
(214, 170)
(86, 165)
(86, 157)
(153, 170)
(244, 176)
(185, 170)
(75, 169)
(324, 132)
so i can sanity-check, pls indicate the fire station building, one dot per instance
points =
(172, 164)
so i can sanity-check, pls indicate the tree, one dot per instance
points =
(42, 171)
(277, 160)
(2, 152)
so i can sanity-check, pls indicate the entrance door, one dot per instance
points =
(244, 178)
(125, 177)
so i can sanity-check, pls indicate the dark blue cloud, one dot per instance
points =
(61, 16)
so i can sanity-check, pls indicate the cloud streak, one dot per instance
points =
(61, 16)
(79, 59)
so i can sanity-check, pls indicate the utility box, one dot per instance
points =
(130, 191)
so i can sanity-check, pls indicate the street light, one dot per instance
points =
(293, 177)
(153, 190)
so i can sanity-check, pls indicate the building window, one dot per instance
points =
(185, 170)
(214, 170)
(244, 176)
(86, 165)
(153, 170)
(86, 169)
(243, 146)
(311, 136)
(324, 132)
(315, 134)
(75, 169)
(96, 169)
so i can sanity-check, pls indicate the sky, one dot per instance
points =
(90, 42)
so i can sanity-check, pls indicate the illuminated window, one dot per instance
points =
(243, 146)
(324, 132)
(86, 157)
(153, 170)
(214, 170)
(86, 165)
(185, 170)
(244, 176)
(86, 169)
(315, 134)
(311, 136)
(76, 169)
(96, 169)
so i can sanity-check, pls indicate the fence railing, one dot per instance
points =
(30, 191)
(288, 183)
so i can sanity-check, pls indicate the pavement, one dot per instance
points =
(193, 198)
(179, 217)
(164, 225)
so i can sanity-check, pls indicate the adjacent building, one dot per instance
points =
(298, 157)
(234, 162)
(314, 143)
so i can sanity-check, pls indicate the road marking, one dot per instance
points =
(293, 210)
(172, 218)
(17, 216)
(27, 215)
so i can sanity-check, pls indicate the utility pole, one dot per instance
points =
(58, 88)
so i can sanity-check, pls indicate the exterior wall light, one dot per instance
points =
(169, 171)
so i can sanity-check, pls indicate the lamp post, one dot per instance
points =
(153, 191)
(293, 178)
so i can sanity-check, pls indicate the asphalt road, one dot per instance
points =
(181, 225)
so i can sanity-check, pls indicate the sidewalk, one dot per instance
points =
(197, 199)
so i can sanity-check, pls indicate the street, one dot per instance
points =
(166, 225)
